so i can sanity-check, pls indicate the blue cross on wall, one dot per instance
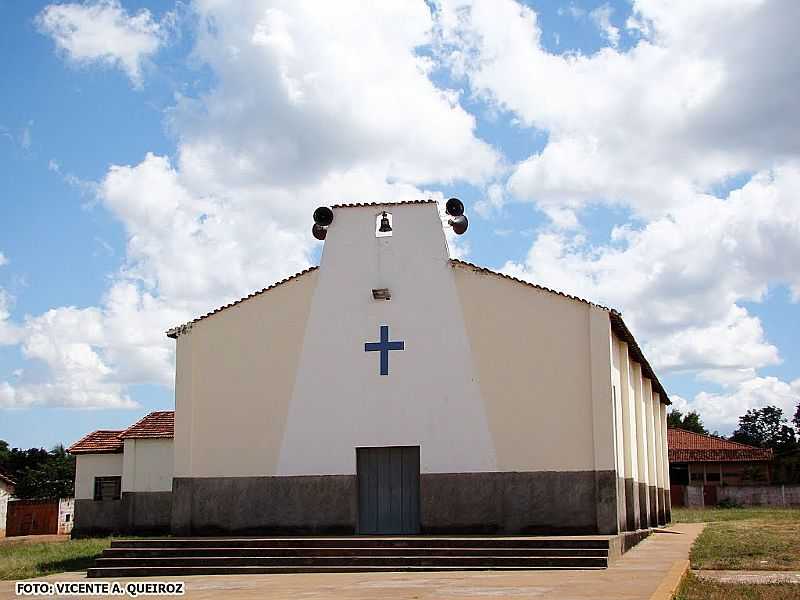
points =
(383, 347)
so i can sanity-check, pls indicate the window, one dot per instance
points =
(697, 477)
(712, 476)
(107, 488)
(66, 518)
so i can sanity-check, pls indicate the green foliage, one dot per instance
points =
(766, 428)
(39, 474)
(689, 422)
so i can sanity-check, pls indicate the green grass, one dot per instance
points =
(25, 560)
(709, 515)
(755, 539)
(692, 588)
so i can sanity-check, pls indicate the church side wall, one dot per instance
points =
(543, 366)
(235, 375)
(532, 358)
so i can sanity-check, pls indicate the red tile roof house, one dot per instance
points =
(111, 464)
(708, 461)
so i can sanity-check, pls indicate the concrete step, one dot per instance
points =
(122, 552)
(356, 561)
(239, 555)
(364, 542)
(124, 572)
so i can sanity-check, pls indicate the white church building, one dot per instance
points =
(392, 390)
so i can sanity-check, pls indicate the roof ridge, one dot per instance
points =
(86, 438)
(124, 431)
(395, 203)
(154, 425)
(530, 283)
(174, 332)
(618, 326)
(717, 437)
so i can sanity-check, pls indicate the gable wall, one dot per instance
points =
(234, 378)
(532, 356)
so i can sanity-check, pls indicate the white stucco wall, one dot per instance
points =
(641, 423)
(147, 465)
(431, 396)
(5, 495)
(532, 354)
(235, 374)
(89, 466)
(495, 375)
(630, 440)
(66, 515)
(658, 445)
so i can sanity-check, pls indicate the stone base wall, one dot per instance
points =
(302, 505)
(761, 495)
(134, 512)
(583, 502)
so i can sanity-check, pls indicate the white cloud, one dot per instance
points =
(601, 17)
(721, 410)
(9, 333)
(651, 129)
(683, 280)
(647, 127)
(102, 31)
(313, 104)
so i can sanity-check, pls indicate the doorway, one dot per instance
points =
(388, 490)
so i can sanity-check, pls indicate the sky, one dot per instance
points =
(160, 159)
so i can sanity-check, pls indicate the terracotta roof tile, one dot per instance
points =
(159, 424)
(7, 478)
(181, 329)
(617, 324)
(359, 204)
(687, 446)
(105, 441)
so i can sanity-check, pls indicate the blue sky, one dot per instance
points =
(603, 148)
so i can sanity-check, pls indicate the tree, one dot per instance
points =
(39, 474)
(796, 419)
(690, 422)
(50, 479)
(5, 452)
(767, 428)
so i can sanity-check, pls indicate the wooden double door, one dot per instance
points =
(388, 490)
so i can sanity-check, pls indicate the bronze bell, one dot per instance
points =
(385, 227)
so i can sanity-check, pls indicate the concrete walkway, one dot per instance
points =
(750, 576)
(650, 571)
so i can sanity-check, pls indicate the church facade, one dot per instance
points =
(395, 390)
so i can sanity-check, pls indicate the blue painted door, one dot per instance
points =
(388, 490)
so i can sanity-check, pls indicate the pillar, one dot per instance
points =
(641, 445)
(629, 440)
(652, 477)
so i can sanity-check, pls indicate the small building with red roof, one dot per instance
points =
(710, 461)
(123, 478)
